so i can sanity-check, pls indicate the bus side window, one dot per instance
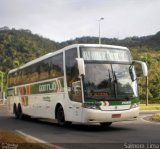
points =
(23, 78)
(10, 82)
(44, 70)
(56, 66)
(19, 78)
(72, 74)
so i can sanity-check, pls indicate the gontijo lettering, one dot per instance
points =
(48, 87)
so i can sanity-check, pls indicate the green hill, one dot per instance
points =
(141, 43)
(20, 46)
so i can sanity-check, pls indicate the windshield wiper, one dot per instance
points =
(110, 79)
(115, 84)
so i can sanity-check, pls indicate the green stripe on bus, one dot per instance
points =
(48, 87)
(113, 103)
(53, 86)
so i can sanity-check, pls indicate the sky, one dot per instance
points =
(62, 20)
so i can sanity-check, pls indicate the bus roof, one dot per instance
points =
(64, 49)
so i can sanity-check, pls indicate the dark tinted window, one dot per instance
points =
(56, 66)
(46, 69)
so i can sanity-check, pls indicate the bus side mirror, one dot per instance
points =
(143, 68)
(81, 66)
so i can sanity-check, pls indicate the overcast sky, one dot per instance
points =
(62, 20)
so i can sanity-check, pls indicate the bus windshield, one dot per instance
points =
(107, 80)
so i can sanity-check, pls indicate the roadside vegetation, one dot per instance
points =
(13, 140)
(152, 58)
(156, 117)
(150, 107)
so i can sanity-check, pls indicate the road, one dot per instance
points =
(118, 135)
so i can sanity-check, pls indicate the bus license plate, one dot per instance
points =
(116, 115)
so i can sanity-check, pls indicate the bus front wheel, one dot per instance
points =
(105, 124)
(20, 113)
(60, 116)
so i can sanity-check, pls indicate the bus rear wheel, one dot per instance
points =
(105, 124)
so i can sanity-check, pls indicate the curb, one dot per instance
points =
(148, 120)
(149, 111)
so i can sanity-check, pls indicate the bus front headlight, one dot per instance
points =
(134, 105)
(91, 106)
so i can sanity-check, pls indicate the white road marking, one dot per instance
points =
(38, 140)
(31, 137)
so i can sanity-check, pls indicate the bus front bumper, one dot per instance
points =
(98, 116)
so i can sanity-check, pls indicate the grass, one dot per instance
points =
(9, 139)
(150, 107)
(156, 117)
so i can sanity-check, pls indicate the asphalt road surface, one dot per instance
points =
(128, 134)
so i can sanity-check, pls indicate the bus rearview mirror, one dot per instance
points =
(81, 66)
(144, 68)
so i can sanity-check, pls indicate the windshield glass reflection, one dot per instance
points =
(108, 82)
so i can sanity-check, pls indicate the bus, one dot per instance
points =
(82, 83)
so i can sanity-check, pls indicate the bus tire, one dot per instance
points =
(20, 113)
(68, 123)
(60, 116)
(105, 124)
(15, 111)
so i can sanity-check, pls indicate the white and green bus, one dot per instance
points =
(84, 83)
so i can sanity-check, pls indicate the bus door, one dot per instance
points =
(76, 111)
(75, 95)
(73, 85)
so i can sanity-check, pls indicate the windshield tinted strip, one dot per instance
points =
(105, 54)
(107, 62)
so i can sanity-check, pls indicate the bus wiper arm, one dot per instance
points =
(110, 79)
(115, 84)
